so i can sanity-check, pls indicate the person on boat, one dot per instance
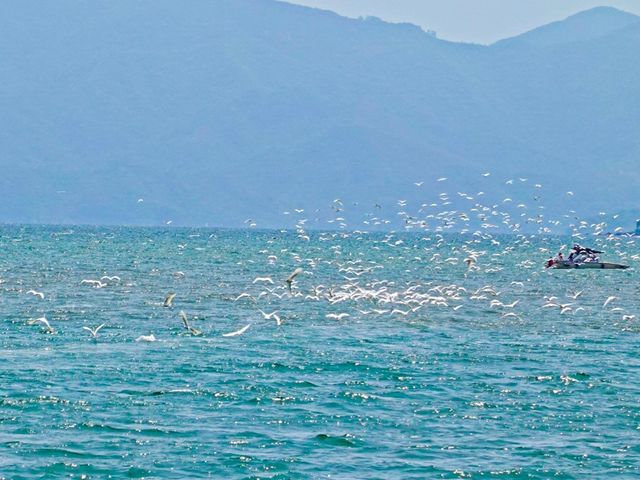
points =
(550, 263)
(559, 258)
(575, 251)
(580, 254)
(580, 249)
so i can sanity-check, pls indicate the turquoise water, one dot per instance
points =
(459, 388)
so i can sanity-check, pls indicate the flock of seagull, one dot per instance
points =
(167, 303)
(365, 284)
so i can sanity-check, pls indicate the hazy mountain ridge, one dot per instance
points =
(586, 25)
(242, 108)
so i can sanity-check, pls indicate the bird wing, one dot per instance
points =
(294, 274)
(44, 321)
(237, 332)
(168, 299)
(184, 318)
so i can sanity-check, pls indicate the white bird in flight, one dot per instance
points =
(36, 294)
(337, 316)
(237, 332)
(47, 327)
(94, 331)
(113, 278)
(146, 338)
(291, 277)
(244, 295)
(269, 316)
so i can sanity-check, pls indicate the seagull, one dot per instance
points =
(609, 300)
(263, 280)
(168, 300)
(44, 321)
(269, 316)
(337, 316)
(293, 275)
(193, 331)
(36, 294)
(146, 338)
(113, 278)
(237, 332)
(93, 331)
(243, 295)
(93, 283)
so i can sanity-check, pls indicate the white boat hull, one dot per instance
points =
(602, 265)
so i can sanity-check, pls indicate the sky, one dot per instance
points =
(475, 21)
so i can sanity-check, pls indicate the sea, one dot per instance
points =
(389, 356)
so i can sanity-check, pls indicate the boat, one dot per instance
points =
(566, 264)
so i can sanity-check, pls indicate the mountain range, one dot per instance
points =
(216, 112)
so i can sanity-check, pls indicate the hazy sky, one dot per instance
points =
(478, 21)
